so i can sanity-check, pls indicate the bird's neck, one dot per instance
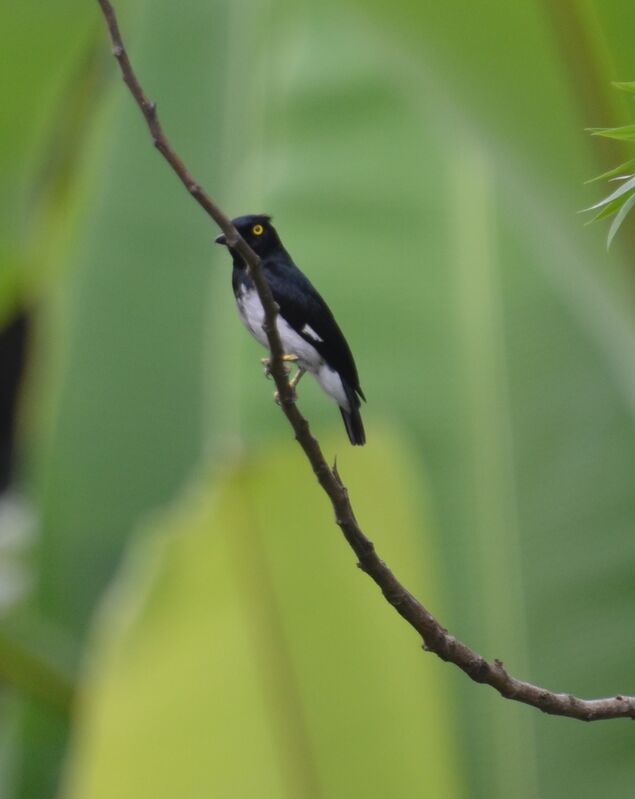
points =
(273, 256)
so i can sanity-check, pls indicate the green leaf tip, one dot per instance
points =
(619, 218)
(625, 86)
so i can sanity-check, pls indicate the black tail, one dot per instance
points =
(353, 419)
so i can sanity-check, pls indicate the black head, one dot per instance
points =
(257, 231)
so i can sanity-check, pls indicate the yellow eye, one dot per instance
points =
(257, 230)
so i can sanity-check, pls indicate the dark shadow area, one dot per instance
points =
(13, 347)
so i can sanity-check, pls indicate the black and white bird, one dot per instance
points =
(309, 334)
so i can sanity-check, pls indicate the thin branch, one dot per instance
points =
(159, 139)
(436, 639)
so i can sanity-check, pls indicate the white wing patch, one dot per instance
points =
(252, 316)
(308, 331)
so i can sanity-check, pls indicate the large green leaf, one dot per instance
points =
(241, 653)
(121, 340)
(439, 220)
(45, 69)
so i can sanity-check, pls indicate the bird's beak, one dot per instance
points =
(220, 239)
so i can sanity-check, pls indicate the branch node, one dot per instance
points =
(500, 666)
(394, 597)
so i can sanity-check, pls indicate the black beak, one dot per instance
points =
(220, 239)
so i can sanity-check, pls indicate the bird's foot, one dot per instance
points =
(296, 379)
(292, 387)
(266, 362)
(278, 401)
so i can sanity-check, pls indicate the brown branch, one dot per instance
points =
(149, 111)
(435, 638)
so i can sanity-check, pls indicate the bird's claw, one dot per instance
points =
(293, 395)
(266, 367)
(286, 359)
(292, 387)
(266, 362)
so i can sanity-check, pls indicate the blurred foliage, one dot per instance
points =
(299, 681)
(424, 163)
(620, 201)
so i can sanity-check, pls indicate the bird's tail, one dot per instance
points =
(353, 419)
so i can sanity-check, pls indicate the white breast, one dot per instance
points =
(252, 315)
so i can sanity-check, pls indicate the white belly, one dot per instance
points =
(252, 316)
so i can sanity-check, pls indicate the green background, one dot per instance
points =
(424, 164)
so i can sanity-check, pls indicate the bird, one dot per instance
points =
(310, 336)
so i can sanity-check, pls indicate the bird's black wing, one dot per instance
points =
(304, 309)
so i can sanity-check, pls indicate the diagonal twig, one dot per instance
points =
(435, 637)
(159, 139)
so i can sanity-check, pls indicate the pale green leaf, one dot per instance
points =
(625, 133)
(619, 218)
(625, 167)
(608, 210)
(628, 86)
(623, 189)
(242, 653)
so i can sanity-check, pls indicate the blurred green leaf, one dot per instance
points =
(616, 171)
(121, 340)
(608, 210)
(243, 645)
(625, 133)
(36, 660)
(439, 225)
(628, 86)
(619, 218)
(627, 186)
(43, 46)
(617, 202)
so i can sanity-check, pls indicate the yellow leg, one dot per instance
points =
(292, 385)
(296, 379)
(266, 362)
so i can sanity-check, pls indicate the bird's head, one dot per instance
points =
(257, 231)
